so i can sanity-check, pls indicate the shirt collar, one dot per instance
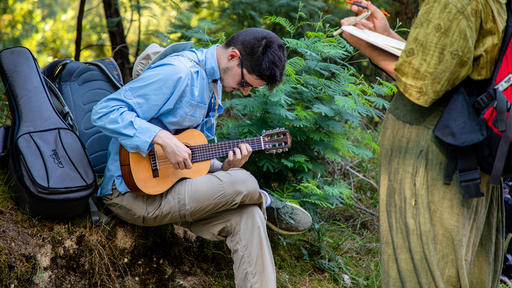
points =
(210, 65)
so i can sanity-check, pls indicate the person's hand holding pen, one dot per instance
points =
(376, 21)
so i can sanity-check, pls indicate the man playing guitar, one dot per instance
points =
(183, 91)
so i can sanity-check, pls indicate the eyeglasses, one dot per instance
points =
(243, 83)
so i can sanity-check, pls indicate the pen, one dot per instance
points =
(355, 21)
(364, 7)
(357, 4)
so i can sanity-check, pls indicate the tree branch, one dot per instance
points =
(360, 206)
(362, 177)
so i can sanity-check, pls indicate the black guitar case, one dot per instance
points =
(51, 171)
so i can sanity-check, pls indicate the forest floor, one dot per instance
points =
(341, 250)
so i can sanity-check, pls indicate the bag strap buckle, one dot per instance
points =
(483, 101)
(470, 183)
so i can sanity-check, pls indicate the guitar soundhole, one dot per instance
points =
(154, 163)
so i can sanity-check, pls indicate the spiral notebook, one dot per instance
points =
(389, 44)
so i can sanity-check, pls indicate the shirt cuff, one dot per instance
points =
(145, 134)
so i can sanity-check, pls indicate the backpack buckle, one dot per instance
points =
(470, 183)
(484, 100)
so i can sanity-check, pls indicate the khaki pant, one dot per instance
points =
(430, 236)
(219, 206)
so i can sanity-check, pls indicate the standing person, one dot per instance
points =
(182, 91)
(430, 236)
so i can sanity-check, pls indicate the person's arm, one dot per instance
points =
(179, 154)
(125, 114)
(439, 54)
(376, 22)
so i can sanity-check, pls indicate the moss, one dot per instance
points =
(16, 269)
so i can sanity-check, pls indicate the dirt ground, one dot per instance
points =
(73, 253)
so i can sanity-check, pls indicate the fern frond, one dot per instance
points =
(284, 22)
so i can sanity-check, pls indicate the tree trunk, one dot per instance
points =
(120, 50)
(78, 39)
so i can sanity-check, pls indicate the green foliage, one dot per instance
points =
(324, 103)
(198, 18)
(48, 28)
(330, 109)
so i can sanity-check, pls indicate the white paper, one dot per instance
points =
(384, 42)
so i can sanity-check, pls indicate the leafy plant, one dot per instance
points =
(324, 103)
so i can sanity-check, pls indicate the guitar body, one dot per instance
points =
(138, 173)
(154, 173)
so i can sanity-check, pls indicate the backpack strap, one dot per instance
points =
(469, 172)
(60, 105)
(501, 111)
(97, 216)
(4, 144)
(501, 154)
(451, 164)
(52, 70)
(110, 69)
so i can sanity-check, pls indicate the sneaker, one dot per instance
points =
(287, 218)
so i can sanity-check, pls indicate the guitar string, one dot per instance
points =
(204, 152)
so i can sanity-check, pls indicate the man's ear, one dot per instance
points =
(233, 54)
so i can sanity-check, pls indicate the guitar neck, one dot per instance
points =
(210, 151)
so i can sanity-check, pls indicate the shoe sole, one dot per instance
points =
(284, 232)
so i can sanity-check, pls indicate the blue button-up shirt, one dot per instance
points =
(173, 94)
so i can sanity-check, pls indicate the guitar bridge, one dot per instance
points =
(154, 163)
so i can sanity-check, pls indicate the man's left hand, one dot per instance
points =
(237, 157)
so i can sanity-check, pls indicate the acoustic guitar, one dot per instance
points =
(154, 174)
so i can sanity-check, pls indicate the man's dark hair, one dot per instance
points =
(262, 52)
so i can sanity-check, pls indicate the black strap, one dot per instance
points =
(451, 165)
(501, 154)
(501, 111)
(60, 105)
(469, 172)
(4, 143)
(52, 70)
(96, 215)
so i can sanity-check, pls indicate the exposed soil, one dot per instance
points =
(42, 253)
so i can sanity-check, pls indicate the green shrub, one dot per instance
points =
(326, 106)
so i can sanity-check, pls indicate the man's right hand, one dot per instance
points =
(179, 154)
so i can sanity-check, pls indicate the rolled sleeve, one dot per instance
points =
(125, 114)
(439, 51)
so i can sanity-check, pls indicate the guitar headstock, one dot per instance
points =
(276, 141)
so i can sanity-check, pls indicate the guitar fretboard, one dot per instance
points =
(210, 151)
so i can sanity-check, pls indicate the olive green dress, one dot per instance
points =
(430, 236)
